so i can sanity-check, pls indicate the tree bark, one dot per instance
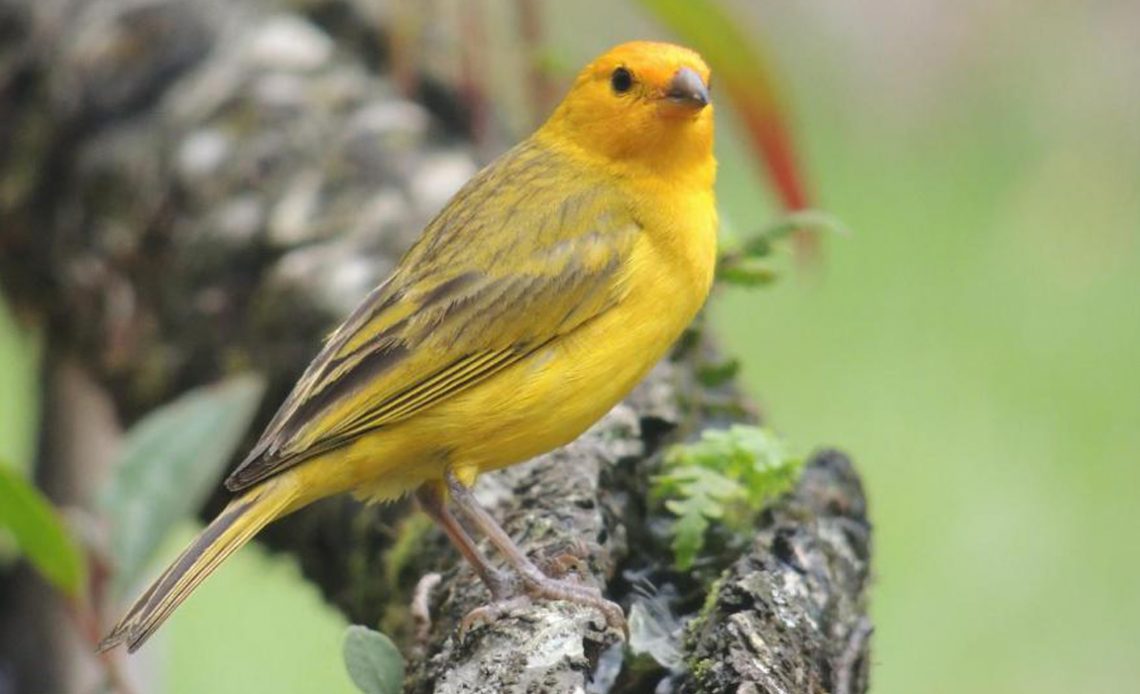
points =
(193, 188)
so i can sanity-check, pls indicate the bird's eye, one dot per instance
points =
(621, 80)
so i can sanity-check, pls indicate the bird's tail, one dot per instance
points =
(235, 526)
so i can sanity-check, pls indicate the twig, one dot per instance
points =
(421, 607)
(87, 623)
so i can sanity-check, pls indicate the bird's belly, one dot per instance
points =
(549, 399)
(542, 402)
(537, 405)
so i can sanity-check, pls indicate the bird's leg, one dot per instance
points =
(535, 583)
(431, 498)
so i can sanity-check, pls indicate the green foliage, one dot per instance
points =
(748, 263)
(20, 350)
(726, 476)
(40, 533)
(373, 661)
(745, 272)
(171, 460)
(718, 373)
(788, 224)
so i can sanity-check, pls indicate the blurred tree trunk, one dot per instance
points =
(193, 188)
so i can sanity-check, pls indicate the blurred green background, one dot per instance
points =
(975, 344)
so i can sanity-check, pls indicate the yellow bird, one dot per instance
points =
(535, 301)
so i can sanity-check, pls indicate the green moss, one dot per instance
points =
(701, 667)
(710, 601)
(697, 623)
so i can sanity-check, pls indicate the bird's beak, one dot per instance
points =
(688, 89)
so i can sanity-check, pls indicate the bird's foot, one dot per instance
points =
(492, 612)
(572, 591)
(532, 582)
(532, 588)
(502, 585)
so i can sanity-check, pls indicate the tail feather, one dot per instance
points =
(235, 526)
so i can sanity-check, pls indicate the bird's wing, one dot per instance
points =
(524, 254)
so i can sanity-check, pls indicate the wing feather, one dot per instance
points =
(518, 259)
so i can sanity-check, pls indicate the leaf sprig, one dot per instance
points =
(749, 263)
(726, 477)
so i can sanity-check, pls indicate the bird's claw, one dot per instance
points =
(546, 589)
(486, 614)
(581, 594)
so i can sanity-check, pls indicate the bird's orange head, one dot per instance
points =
(641, 103)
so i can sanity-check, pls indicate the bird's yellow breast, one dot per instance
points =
(555, 394)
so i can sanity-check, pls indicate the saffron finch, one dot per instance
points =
(544, 291)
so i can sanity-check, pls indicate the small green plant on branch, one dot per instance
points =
(725, 477)
(748, 263)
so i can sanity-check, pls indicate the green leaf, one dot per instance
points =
(726, 476)
(688, 533)
(20, 349)
(171, 460)
(701, 494)
(373, 661)
(40, 533)
(716, 374)
(747, 263)
(745, 272)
